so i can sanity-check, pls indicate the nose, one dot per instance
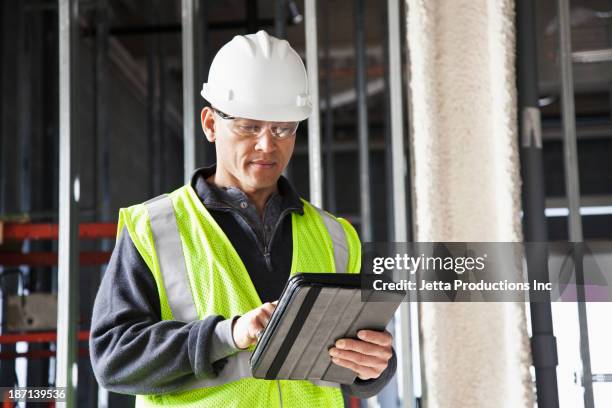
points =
(265, 141)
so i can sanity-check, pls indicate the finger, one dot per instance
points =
(360, 359)
(263, 320)
(268, 308)
(264, 317)
(364, 347)
(382, 338)
(365, 373)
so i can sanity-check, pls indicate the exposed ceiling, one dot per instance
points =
(591, 29)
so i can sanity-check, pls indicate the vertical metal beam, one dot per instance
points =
(188, 11)
(101, 110)
(609, 30)
(9, 183)
(569, 123)
(153, 108)
(543, 342)
(37, 371)
(397, 122)
(161, 104)
(3, 102)
(8, 47)
(314, 123)
(24, 76)
(403, 316)
(201, 71)
(152, 139)
(362, 122)
(389, 396)
(280, 31)
(102, 138)
(330, 186)
(68, 261)
(280, 18)
(387, 129)
(572, 183)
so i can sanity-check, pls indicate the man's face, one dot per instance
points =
(253, 162)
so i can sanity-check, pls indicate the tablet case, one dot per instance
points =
(315, 310)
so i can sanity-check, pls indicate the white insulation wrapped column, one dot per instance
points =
(467, 188)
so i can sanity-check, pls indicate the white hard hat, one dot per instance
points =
(258, 76)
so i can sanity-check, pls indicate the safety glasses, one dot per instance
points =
(249, 128)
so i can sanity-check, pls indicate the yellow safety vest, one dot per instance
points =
(199, 273)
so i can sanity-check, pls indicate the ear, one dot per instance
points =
(207, 116)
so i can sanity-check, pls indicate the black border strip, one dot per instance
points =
(294, 331)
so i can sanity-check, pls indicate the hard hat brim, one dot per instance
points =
(260, 111)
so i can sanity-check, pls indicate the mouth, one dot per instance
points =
(263, 164)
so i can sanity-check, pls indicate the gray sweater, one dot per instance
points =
(134, 351)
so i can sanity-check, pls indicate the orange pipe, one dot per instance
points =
(40, 337)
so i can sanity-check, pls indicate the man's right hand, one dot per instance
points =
(247, 327)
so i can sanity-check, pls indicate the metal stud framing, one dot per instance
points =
(543, 342)
(188, 13)
(572, 185)
(362, 122)
(68, 261)
(403, 316)
(314, 121)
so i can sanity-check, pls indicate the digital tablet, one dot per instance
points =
(315, 310)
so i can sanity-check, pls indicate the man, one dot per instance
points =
(180, 306)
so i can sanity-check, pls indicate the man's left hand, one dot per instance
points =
(368, 356)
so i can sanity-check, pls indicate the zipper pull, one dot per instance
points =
(268, 259)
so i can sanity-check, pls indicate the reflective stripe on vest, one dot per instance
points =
(339, 242)
(171, 259)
